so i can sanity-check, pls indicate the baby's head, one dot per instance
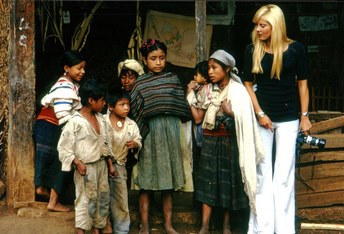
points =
(201, 73)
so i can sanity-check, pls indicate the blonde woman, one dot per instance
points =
(279, 67)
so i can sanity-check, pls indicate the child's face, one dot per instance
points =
(97, 105)
(127, 80)
(200, 79)
(155, 61)
(121, 108)
(76, 72)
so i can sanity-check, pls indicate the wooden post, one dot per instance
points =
(21, 73)
(201, 32)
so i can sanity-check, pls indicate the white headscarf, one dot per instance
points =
(130, 64)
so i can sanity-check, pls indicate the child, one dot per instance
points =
(158, 105)
(201, 78)
(125, 137)
(84, 143)
(57, 107)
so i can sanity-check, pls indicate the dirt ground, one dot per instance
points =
(38, 221)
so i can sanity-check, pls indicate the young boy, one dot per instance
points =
(84, 143)
(125, 136)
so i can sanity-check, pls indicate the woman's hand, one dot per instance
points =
(226, 107)
(305, 124)
(265, 122)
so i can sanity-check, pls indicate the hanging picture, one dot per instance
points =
(178, 33)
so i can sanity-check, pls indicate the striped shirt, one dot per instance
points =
(61, 102)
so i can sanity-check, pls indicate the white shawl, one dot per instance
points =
(250, 146)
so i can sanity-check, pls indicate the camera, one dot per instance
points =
(308, 139)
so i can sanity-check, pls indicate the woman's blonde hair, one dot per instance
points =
(275, 17)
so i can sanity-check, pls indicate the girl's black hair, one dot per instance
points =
(150, 45)
(71, 58)
(202, 68)
(113, 95)
(91, 89)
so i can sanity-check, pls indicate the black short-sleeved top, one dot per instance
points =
(279, 98)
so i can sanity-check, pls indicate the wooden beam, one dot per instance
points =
(322, 170)
(320, 199)
(323, 226)
(318, 185)
(21, 64)
(322, 156)
(201, 30)
(327, 125)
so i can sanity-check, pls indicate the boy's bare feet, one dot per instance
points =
(108, 227)
(57, 207)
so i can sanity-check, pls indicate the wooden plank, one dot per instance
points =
(322, 226)
(324, 115)
(318, 185)
(330, 214)
(322, 156)
(332, 141)
(322, 170)
(201, 30)
(327, 125)
(21, 75)
(320, 199)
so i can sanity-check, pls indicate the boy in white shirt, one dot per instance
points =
(125, 136)
(84, 143)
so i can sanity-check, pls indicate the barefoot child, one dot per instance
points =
(125, 137)
(84, 143)
(57, 107)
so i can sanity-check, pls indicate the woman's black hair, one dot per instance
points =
(71, 58)
(202, 68)
(150, 45)
(114, 94)
(91, 89)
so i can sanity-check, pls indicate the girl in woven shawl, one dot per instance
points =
(158, 105)
(57, 107)
(219, 182)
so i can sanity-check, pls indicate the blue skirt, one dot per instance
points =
(47, 164)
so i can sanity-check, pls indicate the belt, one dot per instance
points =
(221, 131)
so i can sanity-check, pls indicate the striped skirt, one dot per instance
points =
(219, 181)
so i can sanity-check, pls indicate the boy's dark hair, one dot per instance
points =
(91, 89)
(202, 68)
(113, 95)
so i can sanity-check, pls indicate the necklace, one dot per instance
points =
(119, 124)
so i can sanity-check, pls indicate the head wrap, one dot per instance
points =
(130, 64)
(227, 60)
(224, 57)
